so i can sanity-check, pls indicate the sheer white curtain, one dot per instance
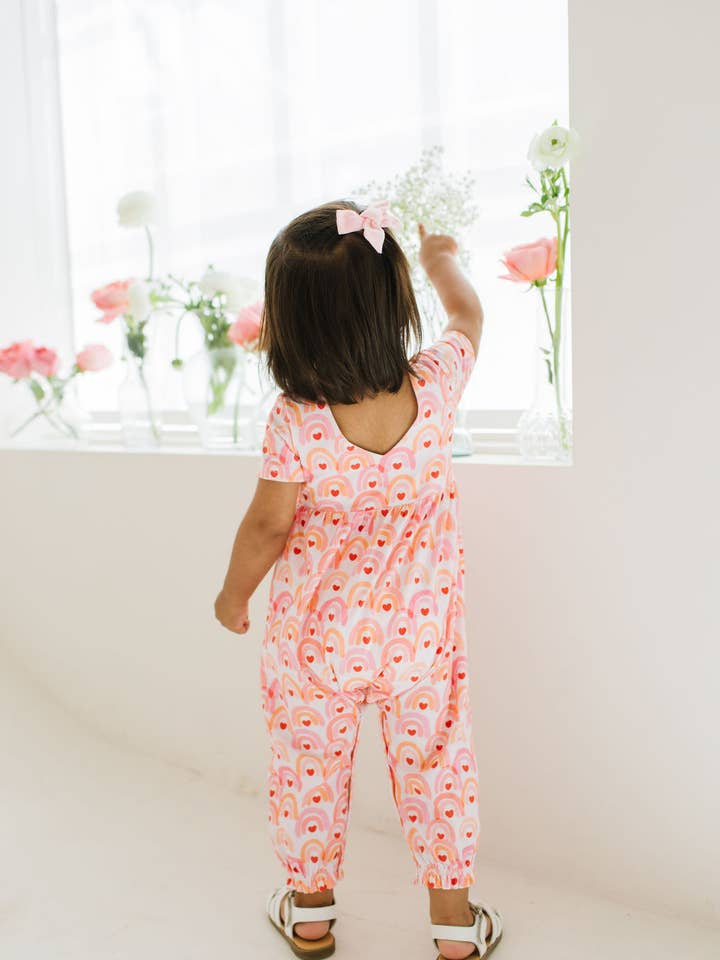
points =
(239, 115)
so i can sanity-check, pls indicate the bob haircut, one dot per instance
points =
(338, 316)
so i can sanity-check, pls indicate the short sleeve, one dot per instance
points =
(279, 457)
(454, 358)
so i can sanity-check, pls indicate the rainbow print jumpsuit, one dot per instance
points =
(367, 606)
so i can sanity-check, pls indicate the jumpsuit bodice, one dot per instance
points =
(365, 595)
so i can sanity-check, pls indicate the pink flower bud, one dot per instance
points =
(246, 328)
(45, 362)
(17, 360)
(112, 299)
(93, 357)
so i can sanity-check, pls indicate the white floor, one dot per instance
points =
(107, 855)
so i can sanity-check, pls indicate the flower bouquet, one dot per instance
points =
(545, 429)
(134, 301)
(215, 378)
(39, 369)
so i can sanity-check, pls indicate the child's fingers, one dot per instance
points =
(421, 231)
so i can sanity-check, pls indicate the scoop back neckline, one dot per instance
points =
(396, 445)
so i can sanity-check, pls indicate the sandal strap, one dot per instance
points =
(475, 933)
(495, 917)
(295, 914)
(311, 914)
(273, 906)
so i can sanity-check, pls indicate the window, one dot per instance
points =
(238, 115)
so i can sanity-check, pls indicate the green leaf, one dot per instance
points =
(549, 370)
(533, 208)
(37, 389)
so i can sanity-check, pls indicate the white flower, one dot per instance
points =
(552, 148)
(136, 209)
(139, 300)
(238, 291)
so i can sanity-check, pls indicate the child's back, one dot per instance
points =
(370, 579)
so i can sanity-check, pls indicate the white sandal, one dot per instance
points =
(477, 933)
(307, 949)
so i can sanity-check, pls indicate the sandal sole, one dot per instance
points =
(476, 952)
(296, 944)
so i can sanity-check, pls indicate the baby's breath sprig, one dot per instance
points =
(444, 202)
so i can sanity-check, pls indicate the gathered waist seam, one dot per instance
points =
(307, 509)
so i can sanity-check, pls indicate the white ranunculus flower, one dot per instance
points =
(239, 291)
(139, 300)
(136, 209)
(552, 148)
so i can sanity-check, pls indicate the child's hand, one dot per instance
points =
(232, 613)
(433, 245)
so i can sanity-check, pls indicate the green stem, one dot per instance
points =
(151, 252)
(558, 331)
(236, 410)
(151, 416)
(547, 314)
(177, 333)
(44, 411)
(64, 426)
(165, 300)
(26, 423)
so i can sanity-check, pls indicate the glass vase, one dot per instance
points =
(256, 399)
(462, 443)
(545, 428)
(49, 415)
(223, 388)
(139, 419)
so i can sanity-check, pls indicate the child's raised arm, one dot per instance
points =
(438, 257)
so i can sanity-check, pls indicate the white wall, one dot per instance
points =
(593, 621)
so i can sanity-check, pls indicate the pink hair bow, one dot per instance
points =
(371, 221)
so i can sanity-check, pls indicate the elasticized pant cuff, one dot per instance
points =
(451, 875)
(312, 877)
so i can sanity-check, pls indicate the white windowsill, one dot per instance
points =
(494, 444)
(500, 452)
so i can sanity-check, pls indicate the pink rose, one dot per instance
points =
(530, 262)
(246, 328)
(45, 361)
(93, 357)
(112, 299)
(17, 359)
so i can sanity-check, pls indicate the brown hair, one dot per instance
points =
(338, 316)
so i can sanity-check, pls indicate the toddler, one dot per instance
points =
(356, 506)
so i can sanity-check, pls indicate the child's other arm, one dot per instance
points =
(438, 257)
(259, 541)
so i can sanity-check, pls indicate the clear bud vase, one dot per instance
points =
(545, 428)
(254, 401)
(48, 414)
(139, 419)
(225, 389)
(462, 443)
